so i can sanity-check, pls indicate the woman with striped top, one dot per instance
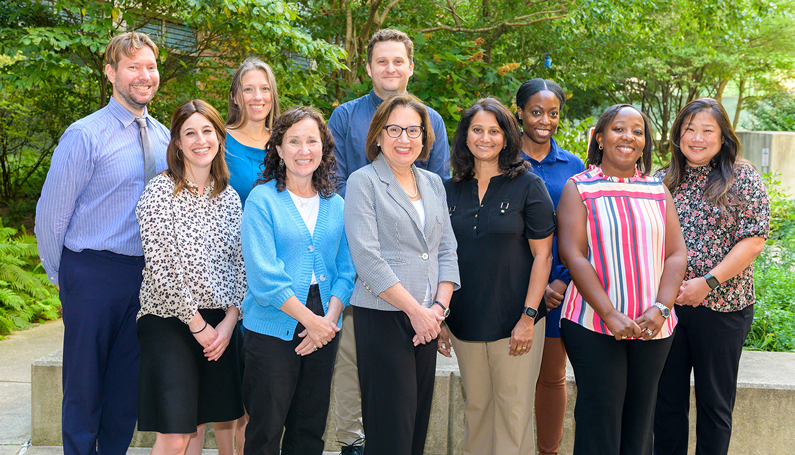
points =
(621, 241)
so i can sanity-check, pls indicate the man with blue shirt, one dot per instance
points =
(390, 64)
(90, 246)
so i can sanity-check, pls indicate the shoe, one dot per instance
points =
(354, 448)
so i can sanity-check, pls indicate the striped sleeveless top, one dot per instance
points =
(626, 245)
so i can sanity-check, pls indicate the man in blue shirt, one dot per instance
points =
(390, 64)
(90, 246)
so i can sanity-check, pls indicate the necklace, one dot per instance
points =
(416, 188)
(303, 202)
(254, 138)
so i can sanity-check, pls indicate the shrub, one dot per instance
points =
(773, 328)
(26, 296)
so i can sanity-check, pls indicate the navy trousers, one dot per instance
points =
(99, 294)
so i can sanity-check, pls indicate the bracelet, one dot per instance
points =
(205, 326)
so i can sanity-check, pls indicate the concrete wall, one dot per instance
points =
(781, 153)
(764, 414)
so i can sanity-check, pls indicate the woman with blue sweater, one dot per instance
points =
(301, 276)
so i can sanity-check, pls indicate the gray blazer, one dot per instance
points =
(385, 239)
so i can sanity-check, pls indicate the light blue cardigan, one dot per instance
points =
(280, 255)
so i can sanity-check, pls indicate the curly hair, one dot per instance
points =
(323, 179)
(510, 159)
(175, 158)
(595, 154)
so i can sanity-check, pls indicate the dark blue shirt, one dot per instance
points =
(349, 125)
(555, 169)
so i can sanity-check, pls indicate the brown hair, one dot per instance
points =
(595, 154)
(510, 159)
(176, 158)
(388, 34)
(237, 116)
(126, 44)
(323, 179)
(381, 116)
(721, 177)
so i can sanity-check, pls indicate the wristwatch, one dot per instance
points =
(711, 280)
(445, 310)
(530, 312)
(663, 309)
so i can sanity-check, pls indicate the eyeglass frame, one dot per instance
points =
(402, 130)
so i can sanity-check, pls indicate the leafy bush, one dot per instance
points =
(773, 112)
(773, 328)
(26, 296)
(573, 136)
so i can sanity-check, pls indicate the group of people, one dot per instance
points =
(226, 272)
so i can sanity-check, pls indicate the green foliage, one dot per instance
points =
(26, 296)
(774, 112)
(782, 209)
(573, 136)
(773, 328)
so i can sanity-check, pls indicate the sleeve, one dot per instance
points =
(753, 213)
(161, 252)
(338, 123)
(346, 274)
(448, 255)
(266, 278)
(439, 157)
(71, 168)
(539, 212)
(240, 268)
(361, 230)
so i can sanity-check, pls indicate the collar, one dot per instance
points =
(596, 171)
(375, 99)
(195, 188)
(555, 154)
(124, 116)
(700, 170)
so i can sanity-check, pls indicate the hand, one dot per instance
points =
(426, 323)
(319, 331)
(553, 295)
(651, 319)
(307, 345)
(207, 336)
(621, 326)
(521, 337)
(693, 292)
(444, 341)
(225, 329)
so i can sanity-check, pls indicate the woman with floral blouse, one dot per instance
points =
(194, 282)
(725, 214)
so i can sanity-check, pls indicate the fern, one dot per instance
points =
(26, 296)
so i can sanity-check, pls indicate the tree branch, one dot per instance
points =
(506, 24)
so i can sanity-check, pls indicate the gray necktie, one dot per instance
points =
(150, 165)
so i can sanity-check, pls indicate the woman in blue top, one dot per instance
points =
(538, 104)
(301, 276)
(253, 106)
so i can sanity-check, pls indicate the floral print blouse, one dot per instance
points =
(192, 250)
(709, 237)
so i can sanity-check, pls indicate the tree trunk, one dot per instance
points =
(739, 104)
(721, 88)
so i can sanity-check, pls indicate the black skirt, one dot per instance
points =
(178, 388)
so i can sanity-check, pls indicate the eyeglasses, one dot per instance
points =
(413, 132)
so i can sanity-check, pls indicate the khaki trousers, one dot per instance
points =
(347, 394)
(500, 392)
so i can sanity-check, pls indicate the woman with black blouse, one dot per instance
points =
(503, 220)
(725, 217)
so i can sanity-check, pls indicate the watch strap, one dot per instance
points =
(711, 280)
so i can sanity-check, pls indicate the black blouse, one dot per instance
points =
(494, 257)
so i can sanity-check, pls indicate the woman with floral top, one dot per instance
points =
(193, 284)
(301, 276)
(725, 216)
(621, 241)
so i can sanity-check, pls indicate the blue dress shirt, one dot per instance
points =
(95, 179)
(244, 166)
(349, 125)
(555, 170)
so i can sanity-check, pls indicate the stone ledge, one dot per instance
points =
(764, 412)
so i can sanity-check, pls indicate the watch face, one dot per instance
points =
(446, 312)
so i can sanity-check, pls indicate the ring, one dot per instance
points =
(623, 337)
(427, 337)
(648, 330)
(314, 348)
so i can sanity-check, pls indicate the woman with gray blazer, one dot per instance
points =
(404, 251)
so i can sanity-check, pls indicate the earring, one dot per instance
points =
(378, 144)
(600, 146)
(281, 162)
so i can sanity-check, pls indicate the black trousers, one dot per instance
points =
(709, 343)
(616, 390)
(285, 391)
(396, 379)
(99, 294)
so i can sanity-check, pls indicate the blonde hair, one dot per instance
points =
(126, 44)
(236, 116)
